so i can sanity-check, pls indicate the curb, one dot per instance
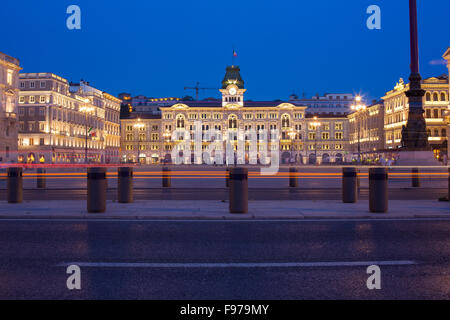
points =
(221, 218)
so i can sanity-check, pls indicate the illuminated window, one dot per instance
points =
(9, 78)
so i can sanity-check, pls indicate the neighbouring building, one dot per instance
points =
(141, 138)
(327, 139)
(143, 104)
(366, 131)
(334, 103)
(62, 122)
(9, 93)
(435, 103)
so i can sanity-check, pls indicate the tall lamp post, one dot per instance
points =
(138, 126)
(316, 124)
(86, 110)
(415, 136)
(359, 109)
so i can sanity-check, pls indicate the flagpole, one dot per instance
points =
(232, 58)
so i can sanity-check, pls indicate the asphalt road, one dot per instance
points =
(224, 259)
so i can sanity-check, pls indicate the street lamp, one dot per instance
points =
(292, 134)
(86, 110)
(138, 126)
(316, 124)
(359, 108)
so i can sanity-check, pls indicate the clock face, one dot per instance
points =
(232, 91)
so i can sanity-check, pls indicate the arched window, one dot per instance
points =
(285, 121)
(436, 113)
(232, 122)
(436, 132)
(428, 96)
(443, 97)
(180, 121)
(429, 132)
(444, 133)
(435, 97)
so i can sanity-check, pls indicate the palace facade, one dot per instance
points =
(303, 138)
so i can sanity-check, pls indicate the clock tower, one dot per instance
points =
(232, 87)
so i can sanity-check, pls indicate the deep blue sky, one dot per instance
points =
(156, 48)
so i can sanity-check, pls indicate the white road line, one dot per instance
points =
(237, 265)
(224, 220)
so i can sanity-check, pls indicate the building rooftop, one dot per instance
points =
(42, 75)
(9, 59)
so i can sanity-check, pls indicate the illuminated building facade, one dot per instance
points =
(62, 122)
(299, 141)
(141, 138)
(435, 103)
(9, 92)
(366, 128)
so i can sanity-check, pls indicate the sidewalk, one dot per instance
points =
(218, 210)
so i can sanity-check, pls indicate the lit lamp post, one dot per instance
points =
(359, 109)
(86, 110)
(292, 134)
(316, 125)
(138, 126)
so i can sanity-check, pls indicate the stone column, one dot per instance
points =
(446, 56)
(415, 137)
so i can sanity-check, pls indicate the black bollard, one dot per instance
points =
(415, 177)
(96, 190)
(238, 190)
(40, 178)
(227, 177)
(125, 185)
(166, 177)
(378, 190)
(349, 185)
(293, 180)
(15, 185)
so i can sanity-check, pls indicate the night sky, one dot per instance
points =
(156, 48)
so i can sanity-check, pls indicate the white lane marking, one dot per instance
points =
(181, 220)
(237, 265)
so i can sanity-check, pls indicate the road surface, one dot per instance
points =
(319, 259)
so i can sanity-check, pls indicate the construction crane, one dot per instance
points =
(197, 88)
